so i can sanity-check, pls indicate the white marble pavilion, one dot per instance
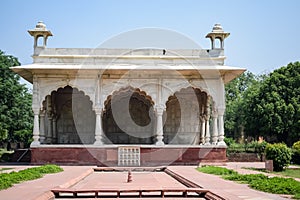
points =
(101, 99)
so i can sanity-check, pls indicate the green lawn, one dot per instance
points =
(289, 172)
(9, 179)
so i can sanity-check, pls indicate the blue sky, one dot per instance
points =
(264, 34)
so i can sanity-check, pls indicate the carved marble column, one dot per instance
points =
(49, 125)
(207, 131)
(42, 126)
(36, 112)
(54, 130)
(98, 127)
(49, 130)
(215, 126)
(221, 127)
(36, 131)
(98, 111)
(202, 134)
(159, 110)
(207, 117)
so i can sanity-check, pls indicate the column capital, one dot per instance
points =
(42, 112)
(159, 109)
(36, 110)
(98, 110)
(221, 110)
(214, 113)
(202, 118)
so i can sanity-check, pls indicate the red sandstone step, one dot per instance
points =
(58, 191)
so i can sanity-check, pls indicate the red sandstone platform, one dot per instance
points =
(108, 155)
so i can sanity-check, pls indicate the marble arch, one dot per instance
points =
(130, 90)
(67, 117)
(128, 117)
(110, 86)
(187, 112)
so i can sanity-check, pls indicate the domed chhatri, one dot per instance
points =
(217, 34)
(40, 31)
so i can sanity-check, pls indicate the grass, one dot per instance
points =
(294, 173)
(9, 179)
(275, 185)
(216, 170)
(289, 172)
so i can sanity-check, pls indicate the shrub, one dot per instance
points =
(280, 154)
(296, 153)
(260, 147)
(229, 141)
(296, 146)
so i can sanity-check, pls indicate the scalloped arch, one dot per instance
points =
(61, 88)
(184, 85)
(125, 90)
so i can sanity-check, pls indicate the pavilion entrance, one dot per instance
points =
(129, 118)
(184, 112)
(67, 118)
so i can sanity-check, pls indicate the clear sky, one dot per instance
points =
(265, 34)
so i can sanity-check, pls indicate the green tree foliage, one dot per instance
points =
(273, 108)
(235, 95)
(16, 117)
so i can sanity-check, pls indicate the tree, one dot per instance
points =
(273, 107)
(15, 104)
(234, 114)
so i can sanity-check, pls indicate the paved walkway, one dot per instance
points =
(39, 189)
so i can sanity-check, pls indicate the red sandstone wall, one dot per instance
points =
(109, 156)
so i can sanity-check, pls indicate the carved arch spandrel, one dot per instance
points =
(109, 87)
(48, 86)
